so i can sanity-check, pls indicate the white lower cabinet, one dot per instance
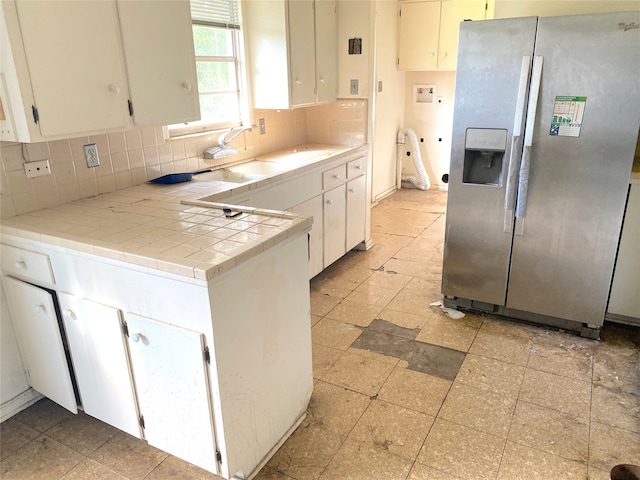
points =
(313, 208)
(41, 345)
(334, 224)
(173, 392)
(101, 363)
(356, 204)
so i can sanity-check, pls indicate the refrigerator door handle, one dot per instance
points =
(514, 156)
(523, 180)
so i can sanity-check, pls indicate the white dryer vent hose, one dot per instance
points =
(422, 180)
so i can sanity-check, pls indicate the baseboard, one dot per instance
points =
(18, 403)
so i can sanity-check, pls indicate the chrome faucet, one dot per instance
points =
(223, 150)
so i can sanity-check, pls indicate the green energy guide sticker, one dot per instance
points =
(567, 116)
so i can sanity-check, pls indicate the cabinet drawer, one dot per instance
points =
(26, 264)
(355, 168)
(334, 177)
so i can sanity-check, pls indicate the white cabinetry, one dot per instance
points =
(173, 391)
(34, 315)
(334, 225)
(292, 48)
(356, 203)
(428, 33)
(313, 208)
(101, 362)
(63, 67)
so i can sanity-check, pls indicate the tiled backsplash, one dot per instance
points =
(134, 156)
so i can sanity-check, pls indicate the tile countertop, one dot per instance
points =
(167, 227)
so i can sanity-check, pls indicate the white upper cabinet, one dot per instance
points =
(159, 60)
(428, 33)
(65, 67)
(292, 51)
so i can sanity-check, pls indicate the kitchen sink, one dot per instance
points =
(258, 167)
(227, 175)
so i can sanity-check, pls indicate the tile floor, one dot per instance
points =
(402, 391)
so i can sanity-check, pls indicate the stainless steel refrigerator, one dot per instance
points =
(546, 119)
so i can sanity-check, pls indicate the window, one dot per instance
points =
(218, 50)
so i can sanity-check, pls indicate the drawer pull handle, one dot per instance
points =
(358, 167)
(135, 337)
(329, 202)
(115, 89)
(69, 314)
(20, 264)
(336, 176)
(40, 308)
(186, 86)
(352, 190)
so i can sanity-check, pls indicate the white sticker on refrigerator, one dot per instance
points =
(567, 116)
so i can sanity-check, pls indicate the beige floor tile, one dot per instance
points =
(356, 461)
(388, 280)
(422, 472)
(90, 469)
(502, 341)
(616, 408)
(491, 375)
(42, 459)
(375, 356)
(485, 411)
(415, 390)
(174, 468)
(595, 474)
(342, 271)
(268, 473)
(358, 373)
(82, 433)
(323, 359)
(402, 319)
(562, 354)
(461, 451)
(417, 268)
(372, 295)
(129, 456)
(43, 415)
(315, 319)
(321, 303)
(14, 435)
(333, 286)
(610, 446)
(335, 334)
(550, 431)
(399, 430)
(336, 408)
(356, 313)
(616, 367)
(439, 329)
(411, 302)
(306, 454)
(560, 393)
(524, 463)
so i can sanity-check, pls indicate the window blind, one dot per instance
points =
(217, 13)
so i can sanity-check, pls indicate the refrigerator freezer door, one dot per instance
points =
(477, 248)
(562, 264)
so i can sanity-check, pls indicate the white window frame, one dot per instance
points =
(199, 126)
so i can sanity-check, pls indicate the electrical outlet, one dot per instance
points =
(263, 128)
(37, 169)
(354, 87)
(91, 154)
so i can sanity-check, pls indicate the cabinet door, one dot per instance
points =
(326, 50)
(36, 325)
(334, 211)
(100, 361)
(418, 35)
(454, 12)
(75, 64)
(356, 205)
(173, 390)
(313, 207)
(302, 52)
(158, 49)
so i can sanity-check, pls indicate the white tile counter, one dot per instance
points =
(165, 227)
